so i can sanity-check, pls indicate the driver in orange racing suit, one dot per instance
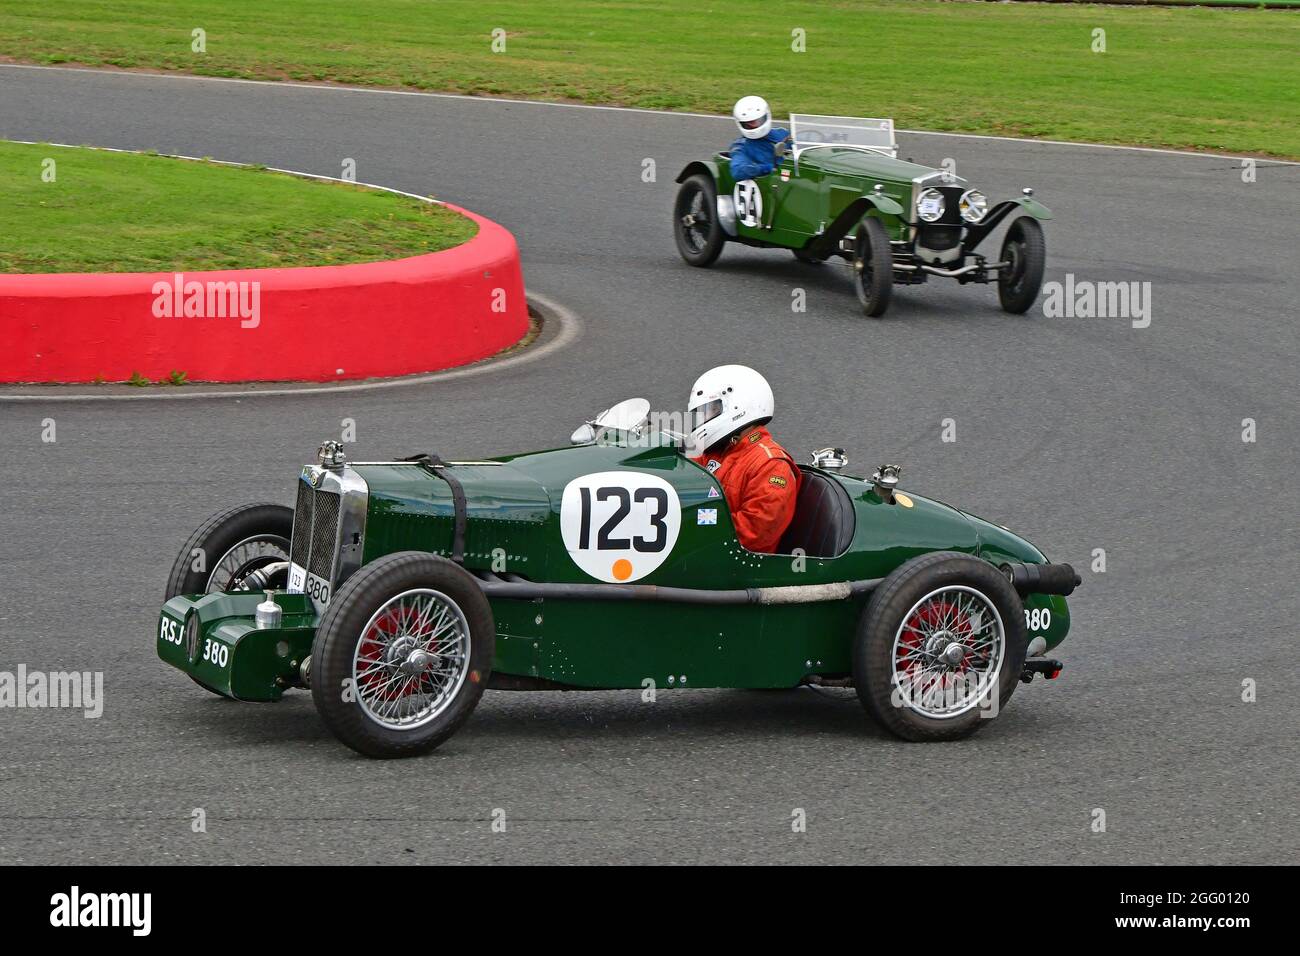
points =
(728, 409)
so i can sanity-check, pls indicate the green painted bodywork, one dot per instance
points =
(822, 185)
(1033, 207)
(514, 526)
(825, 182)
(256, 664)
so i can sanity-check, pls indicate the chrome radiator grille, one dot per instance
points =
(315, 531)
(302, 525)
(329, 530)
(324, 535)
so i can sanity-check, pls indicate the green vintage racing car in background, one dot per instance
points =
(397, 591)
(840, 190)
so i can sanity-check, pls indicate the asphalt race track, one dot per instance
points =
(1080, 433)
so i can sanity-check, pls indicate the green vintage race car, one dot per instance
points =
(397, 591)
(840, 190)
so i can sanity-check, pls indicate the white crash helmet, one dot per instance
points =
(723, 400)
(752, 116)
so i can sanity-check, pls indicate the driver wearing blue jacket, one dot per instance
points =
(755, 153)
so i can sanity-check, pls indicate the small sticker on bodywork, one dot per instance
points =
(706, 516)
(713, 493)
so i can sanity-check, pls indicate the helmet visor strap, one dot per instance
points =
(705, 413)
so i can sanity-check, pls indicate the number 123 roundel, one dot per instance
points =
(618, 526)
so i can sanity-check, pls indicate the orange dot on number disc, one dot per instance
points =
(622, 569)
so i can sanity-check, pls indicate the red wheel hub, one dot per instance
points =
(931, 618)
(374, 648)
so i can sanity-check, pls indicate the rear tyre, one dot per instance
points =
(695, 221)
(873, 268)
(941, 639)
(230, 546)
(402, 655)
(1026, 249)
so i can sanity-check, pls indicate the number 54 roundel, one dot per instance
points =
(618, 526)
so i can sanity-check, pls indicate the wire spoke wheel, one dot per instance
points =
(232, 570)
(402, 654)
(412, 659)
(948, 652)
(248, 539)
(940, 647)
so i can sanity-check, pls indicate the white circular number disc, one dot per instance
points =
(749, 202)
(618, 526)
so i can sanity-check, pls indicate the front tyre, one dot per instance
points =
(1026, 250)
(402, 655)
(696, 228)
(235, 550)
(940, 647)
(226, 550)
(873, 268)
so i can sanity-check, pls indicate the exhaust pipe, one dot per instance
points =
(1041, 578)
(517, 588)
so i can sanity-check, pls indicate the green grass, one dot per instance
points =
(1198, 78)
(122, 212)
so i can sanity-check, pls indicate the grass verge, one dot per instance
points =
(1194, 78)
(86, 210)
